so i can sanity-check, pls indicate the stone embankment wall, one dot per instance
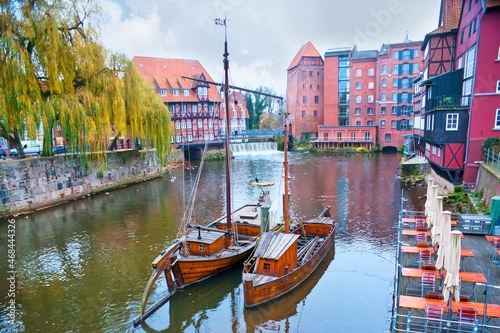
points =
(30, 184)
(489, 183)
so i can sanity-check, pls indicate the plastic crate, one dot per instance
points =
(475, 224)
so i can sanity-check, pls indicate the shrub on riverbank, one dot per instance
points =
(215, 155)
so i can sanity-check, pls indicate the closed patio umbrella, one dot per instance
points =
(444, 238)
(428, 197)
(431, 214)
(437, 218)
(452, 266)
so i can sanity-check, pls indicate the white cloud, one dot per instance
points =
(263, 35)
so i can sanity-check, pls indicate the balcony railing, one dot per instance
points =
(448, 102)
(345, 140)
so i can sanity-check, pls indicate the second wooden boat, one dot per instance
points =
(282, 261)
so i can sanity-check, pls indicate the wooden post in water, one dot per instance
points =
(285, 164)
(228, 148)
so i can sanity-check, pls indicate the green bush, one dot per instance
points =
(459, 189)
(376, 149)
(491, 143)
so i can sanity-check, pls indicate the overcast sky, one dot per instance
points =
(263, 36)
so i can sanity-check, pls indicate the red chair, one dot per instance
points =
(493, 250)
(420, 224)
(467, 316)
(421, 237)
(434, 315)
(427, 283)
(424, 257)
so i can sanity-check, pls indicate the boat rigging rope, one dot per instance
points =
(189, 210)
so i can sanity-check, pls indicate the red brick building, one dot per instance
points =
(363, 88)
(194, 106)
(398, 65)
(360, 88)
(305, 92)
(238, 113)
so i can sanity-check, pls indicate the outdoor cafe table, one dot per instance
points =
(466, 276)
(419, 303)
(412, 220)
(411, 232)
(491, 238)
(414, 249)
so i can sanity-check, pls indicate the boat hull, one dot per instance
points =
(190, 271)
(262, 293)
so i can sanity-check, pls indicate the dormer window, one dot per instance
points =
(163, 92)
(202, 91)
(175, 92)
(186, 92)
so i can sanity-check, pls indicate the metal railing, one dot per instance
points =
(404, 321)
(345, 140)
(448, 102)
(492, 159)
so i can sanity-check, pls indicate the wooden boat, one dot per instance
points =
(282, 261)
(202, 252)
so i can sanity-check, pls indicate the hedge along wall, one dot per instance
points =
(30, 184)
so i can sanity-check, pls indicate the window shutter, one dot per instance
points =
(398, 125)
(411, 54)
(399, 83)
(411, 82)
(409, 97)
(400, 69)
(399, 97)
(400, 55)
(411, 68)
(399, 111)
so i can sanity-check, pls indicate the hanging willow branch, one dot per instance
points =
(54, 69)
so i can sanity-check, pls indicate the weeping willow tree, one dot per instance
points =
(54, 69)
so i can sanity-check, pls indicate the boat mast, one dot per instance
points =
(226, 100)
(285, 164)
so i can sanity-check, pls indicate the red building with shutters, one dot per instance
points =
(304, 95)
(478, 52)
(460, 91)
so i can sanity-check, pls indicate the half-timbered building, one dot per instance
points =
(194, 106)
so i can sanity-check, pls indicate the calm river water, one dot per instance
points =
(82, 266)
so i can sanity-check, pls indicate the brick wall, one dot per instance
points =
(31, 184)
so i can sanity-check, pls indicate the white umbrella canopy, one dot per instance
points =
(437, 218)
(431, 216)
(444, 238)
(452, 265)
(428, 200)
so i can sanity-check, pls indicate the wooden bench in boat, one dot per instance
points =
(413, 302)
(414, 250)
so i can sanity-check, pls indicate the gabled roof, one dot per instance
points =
(369, 54)
(307, 50)
(167, 74)
(240, 98)
(492, 3)
(273, 245)
(449, 16)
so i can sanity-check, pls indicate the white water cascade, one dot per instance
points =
(253, 148)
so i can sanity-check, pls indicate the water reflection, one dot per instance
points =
(83, 266)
